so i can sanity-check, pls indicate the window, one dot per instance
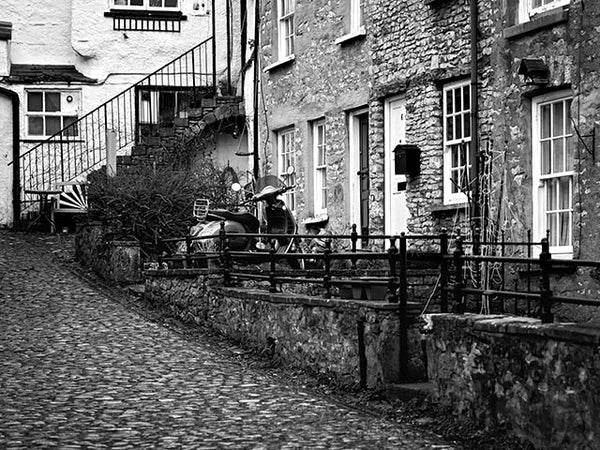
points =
(49, 112)
(457, 141)
(146, 4)
(286, 160)
(529, 8)
(357, 11)
(552, 138)
(286, 28)
(320, 167)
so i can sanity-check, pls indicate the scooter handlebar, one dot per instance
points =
(274, 193)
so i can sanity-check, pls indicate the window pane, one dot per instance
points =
(120, 2)
(457, 100)
(551, 195)
(71, 123)
(558, 119)
(449, 129)
(545, 121)
(34, 101)
(52, 125)
(136, 2)
(565, 193)
(467, 124)
(36, 126)
(454, 153)
(52, 101)
(552, 227)
(568, 124)
(156, 3)
(558, 153)
(458, 127)
(570, 143)
(455, 182)
(171, 3)
(565, 229)
(546, 158)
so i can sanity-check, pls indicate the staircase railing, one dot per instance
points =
(81, 146)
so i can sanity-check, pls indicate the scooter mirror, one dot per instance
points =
(236, 187)
(290, 170)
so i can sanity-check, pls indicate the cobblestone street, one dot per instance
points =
(80, 370)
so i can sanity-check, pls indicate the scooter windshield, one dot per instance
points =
(269, 180)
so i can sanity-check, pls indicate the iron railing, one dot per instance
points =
(133, 114)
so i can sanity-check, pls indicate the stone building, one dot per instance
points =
(61, 60)
(405, 68)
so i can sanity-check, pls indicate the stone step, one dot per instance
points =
(409, 391)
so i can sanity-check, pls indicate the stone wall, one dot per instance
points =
(327, 336)
(541, 381)
(118, 261)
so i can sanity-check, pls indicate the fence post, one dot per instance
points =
(272, 267)
(393, 283)
(354, 239)
(444, 272)
(546, 293)
(224, 250)
(459, 282)
(403, 311)
(327, 267)
(188, 250)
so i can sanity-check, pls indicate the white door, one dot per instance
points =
(396, 211)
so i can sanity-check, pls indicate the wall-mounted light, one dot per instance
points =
(535, 71)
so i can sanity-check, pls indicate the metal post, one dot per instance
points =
(255, 85)
(228, 23)
(354, 239)
(272, 267)
(327, 267)
(459, 282)
(444, 272)
(214, 45)
(403, 311)
(393, 281)
(546, 293)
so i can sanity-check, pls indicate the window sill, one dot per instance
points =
(281, 63)
(145, 14)
(352, 36)
(448, 209)
(549, 19)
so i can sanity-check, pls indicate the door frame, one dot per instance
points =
(354, 165)
(389, 161)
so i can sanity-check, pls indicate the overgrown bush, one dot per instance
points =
(157, 202)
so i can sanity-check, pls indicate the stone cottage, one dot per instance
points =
(346, 83)
(61, 60)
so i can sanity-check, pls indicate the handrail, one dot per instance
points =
(122, 121)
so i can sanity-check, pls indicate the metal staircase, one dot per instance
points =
(131, 116)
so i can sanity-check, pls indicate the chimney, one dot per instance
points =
(5, 38)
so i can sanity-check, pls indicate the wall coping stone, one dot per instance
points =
(290, 298)
(581, 333)
(185, 273)
(538, 23)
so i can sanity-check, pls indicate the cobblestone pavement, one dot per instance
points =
(80, 370)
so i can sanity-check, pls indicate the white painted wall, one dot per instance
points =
(75, 32)
(6, 177)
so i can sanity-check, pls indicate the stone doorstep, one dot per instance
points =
(409, 391)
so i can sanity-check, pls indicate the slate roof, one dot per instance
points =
(32, 73)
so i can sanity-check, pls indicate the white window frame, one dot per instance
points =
(320, 187)
(527, 9)
(540, 181)
(450, 142)
(145, 6)
(286, 157)
(44, 114)
(286, 29)
(357, 10)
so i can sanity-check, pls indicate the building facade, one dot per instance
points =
(64, 59)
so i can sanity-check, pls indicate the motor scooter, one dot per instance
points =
(267, 203)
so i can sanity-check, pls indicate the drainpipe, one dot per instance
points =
(475, 200)
(16, 162)
(255, 155)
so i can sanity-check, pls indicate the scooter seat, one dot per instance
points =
(248, 220)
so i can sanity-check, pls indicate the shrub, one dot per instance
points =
(157, 202)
